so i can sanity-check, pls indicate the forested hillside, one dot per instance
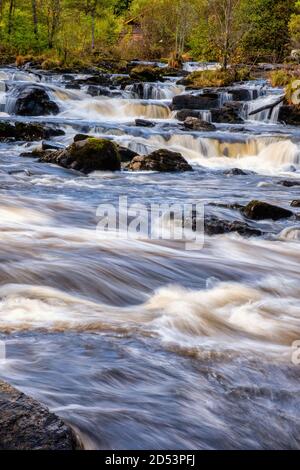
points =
(226, 30)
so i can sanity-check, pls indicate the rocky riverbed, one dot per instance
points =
(138, 342)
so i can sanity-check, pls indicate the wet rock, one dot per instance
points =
(126, 154)
(145, 73)
(37, 153)
(233, 206)
(183, 114)
(87, 155)
(160, 160)
(258, 210)
(289, 183)
(241, 94)
(28, 425)
(72, 86)
(144, 123)
(195, 124)
(215, 226)
(48, 145)
(228, 114)
(100, 79)
(95, 90)
(34, 101)
(295, 203)
(26, 131)
(79, 137)
(289, 115)
(235, 172)
(203, 101)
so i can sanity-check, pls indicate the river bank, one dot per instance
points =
(140, 343)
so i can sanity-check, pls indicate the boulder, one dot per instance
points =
(101, 79)
(235, 172)
(230, 113)
(95, 90)
(144, 123)
(289, 183)
(87, 155)
(290, 115)
(72, 86)
(242, 94)
(215, 226)
(34, 101)
(126, 154)
(160, 160)
(195, 124)
(146, 73)
(203, 101)
(258, 210)
(27, 131)
(28, 425)
(183, 114)
(79, 137)
(295, 203)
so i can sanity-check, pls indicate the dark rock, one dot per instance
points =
(138, 90)
(126, 154)
(290, 115)
(26, 131)
(183, 114)
(34, 101)
(95, 90)
(37, 153)
(289, 183)
(235, 172)
(144, 123)
(258, 210)
(242, 94)
(228, 114)
(28, 425)
(233, 206)
(196, 124)
(72, 86)
(295, 203)
(145, 73)
(160, 160)
(79, 137)
(101, 79)
(48, 145)
(215, 226)
(203, 101)
(87, 155)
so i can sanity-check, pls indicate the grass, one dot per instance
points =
(217, 78)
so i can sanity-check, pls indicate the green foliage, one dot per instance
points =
(228, 31)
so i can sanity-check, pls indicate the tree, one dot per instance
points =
(268, 20)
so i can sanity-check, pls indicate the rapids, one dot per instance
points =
(140, 343)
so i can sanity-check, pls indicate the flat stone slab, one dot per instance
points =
(25, 424)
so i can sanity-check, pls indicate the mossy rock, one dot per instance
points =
(88, 155)
(146, 73)
(160, 160)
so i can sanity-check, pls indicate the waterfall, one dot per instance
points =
(263, 116)
(153, 91)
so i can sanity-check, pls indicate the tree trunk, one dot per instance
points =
(10, 16)
(35, 19)
(93, 29)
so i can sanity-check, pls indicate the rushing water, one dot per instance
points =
(138, 343)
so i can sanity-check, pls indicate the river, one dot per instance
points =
(141, 344)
